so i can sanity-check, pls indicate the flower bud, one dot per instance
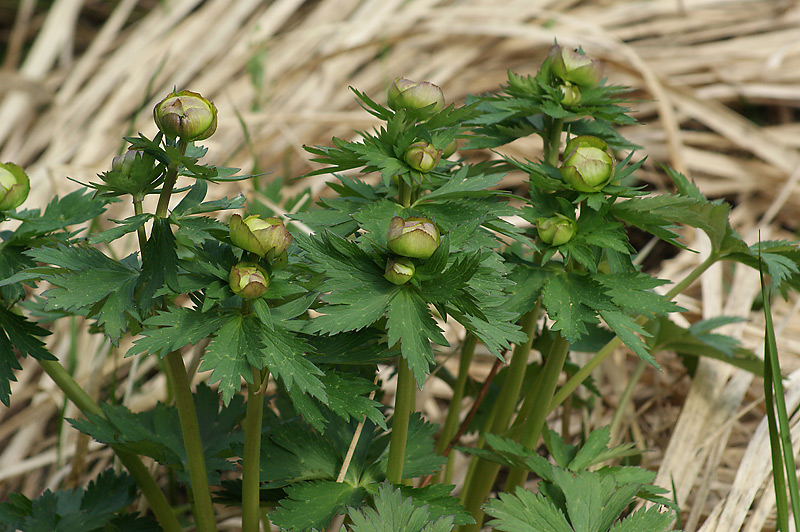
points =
(399, 270)
(588, 164)
(570, 95)
(131, 172)
(556, 230)
(14, 186)
(415, 237)
(248, 280)
(407, 94)
(574, 67)
(266, 238)
(187, 115)
(422, 156)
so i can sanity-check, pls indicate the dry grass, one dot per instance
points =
(719, 85)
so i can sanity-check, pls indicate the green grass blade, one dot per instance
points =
(780, 437)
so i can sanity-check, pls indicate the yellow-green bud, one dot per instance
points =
(14, 186)
(415, 237)
(556, 230)
(187, 115)
(248, 280)
(422, 156)
(574, 67)
(266, 238)
(407, 94)
(588, 164)
(399, 270)
(570, 95)
(131, 172)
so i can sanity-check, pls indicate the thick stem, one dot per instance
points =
(251, 461)
(403, 406)
(205, 521)
(583, 373)
(552, 142)
(404, 192)
(451, 423)
(485, 473)
(532, 427)
(155, 497)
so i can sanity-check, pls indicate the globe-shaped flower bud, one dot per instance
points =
(415, 237)
(422, 156)
(399, 270)
(187, 115)
(407, 94)
(266, 238)
(588, 164)
(248, 280)
(131, 172)
(14, 186)
(570, 95)
(574, 67)
(556, 230)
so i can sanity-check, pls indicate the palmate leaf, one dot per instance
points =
(437, 499)
(157, 433)
(632, 292)
(159, 262)
(572, 300)
(128, 225)
(16, 332)
(329, 498)
(347, 397)
(409, 322)
(74, 208)
(174, 328)
(95, 509)
(236, 347)
(525, 511)
(395, 512)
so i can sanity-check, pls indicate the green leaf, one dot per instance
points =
(632, 293)
(421, 458)
(572, 300)
(159, 262)
(283, 354)
(409, 322)
(460, 186)
(16, 332)
(175, 328)
(394, 512)
(346, 398)
(128, 225)
(655, 519)
(74, 208)
(439, 502)
(525, 511)
(329, 498)
(157, 433)
(236, 347)
(629, 332)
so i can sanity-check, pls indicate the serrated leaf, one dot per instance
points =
(283, 353)
(394, 512)
(74, 208)
(630, 333)
(346, 398)
(329, 498)
(525, 511)
(128, 225)
(175, 328)
(439, 502)
(159, 262)
(409, 322)
(632, 292)
(572, 300)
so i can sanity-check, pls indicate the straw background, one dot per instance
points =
(718, 84)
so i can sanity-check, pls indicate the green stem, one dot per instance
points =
(485, 473)
(627, 393)
(552, 143)
(169, 183)
(155, 497)
(251, 461)
(583, 373)
(137, 209)
(533, 425)
(205, 521)
(451, 423)
(404, 192)
(403, 406)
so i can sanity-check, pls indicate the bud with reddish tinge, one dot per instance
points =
(266, 238)
(588, 164)
(187, 115)
(399, 270)
(407, 94)
(574, 67)
(14, 186)
(422, 156)
(556, 230)
(415, 237)
(248, 280)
